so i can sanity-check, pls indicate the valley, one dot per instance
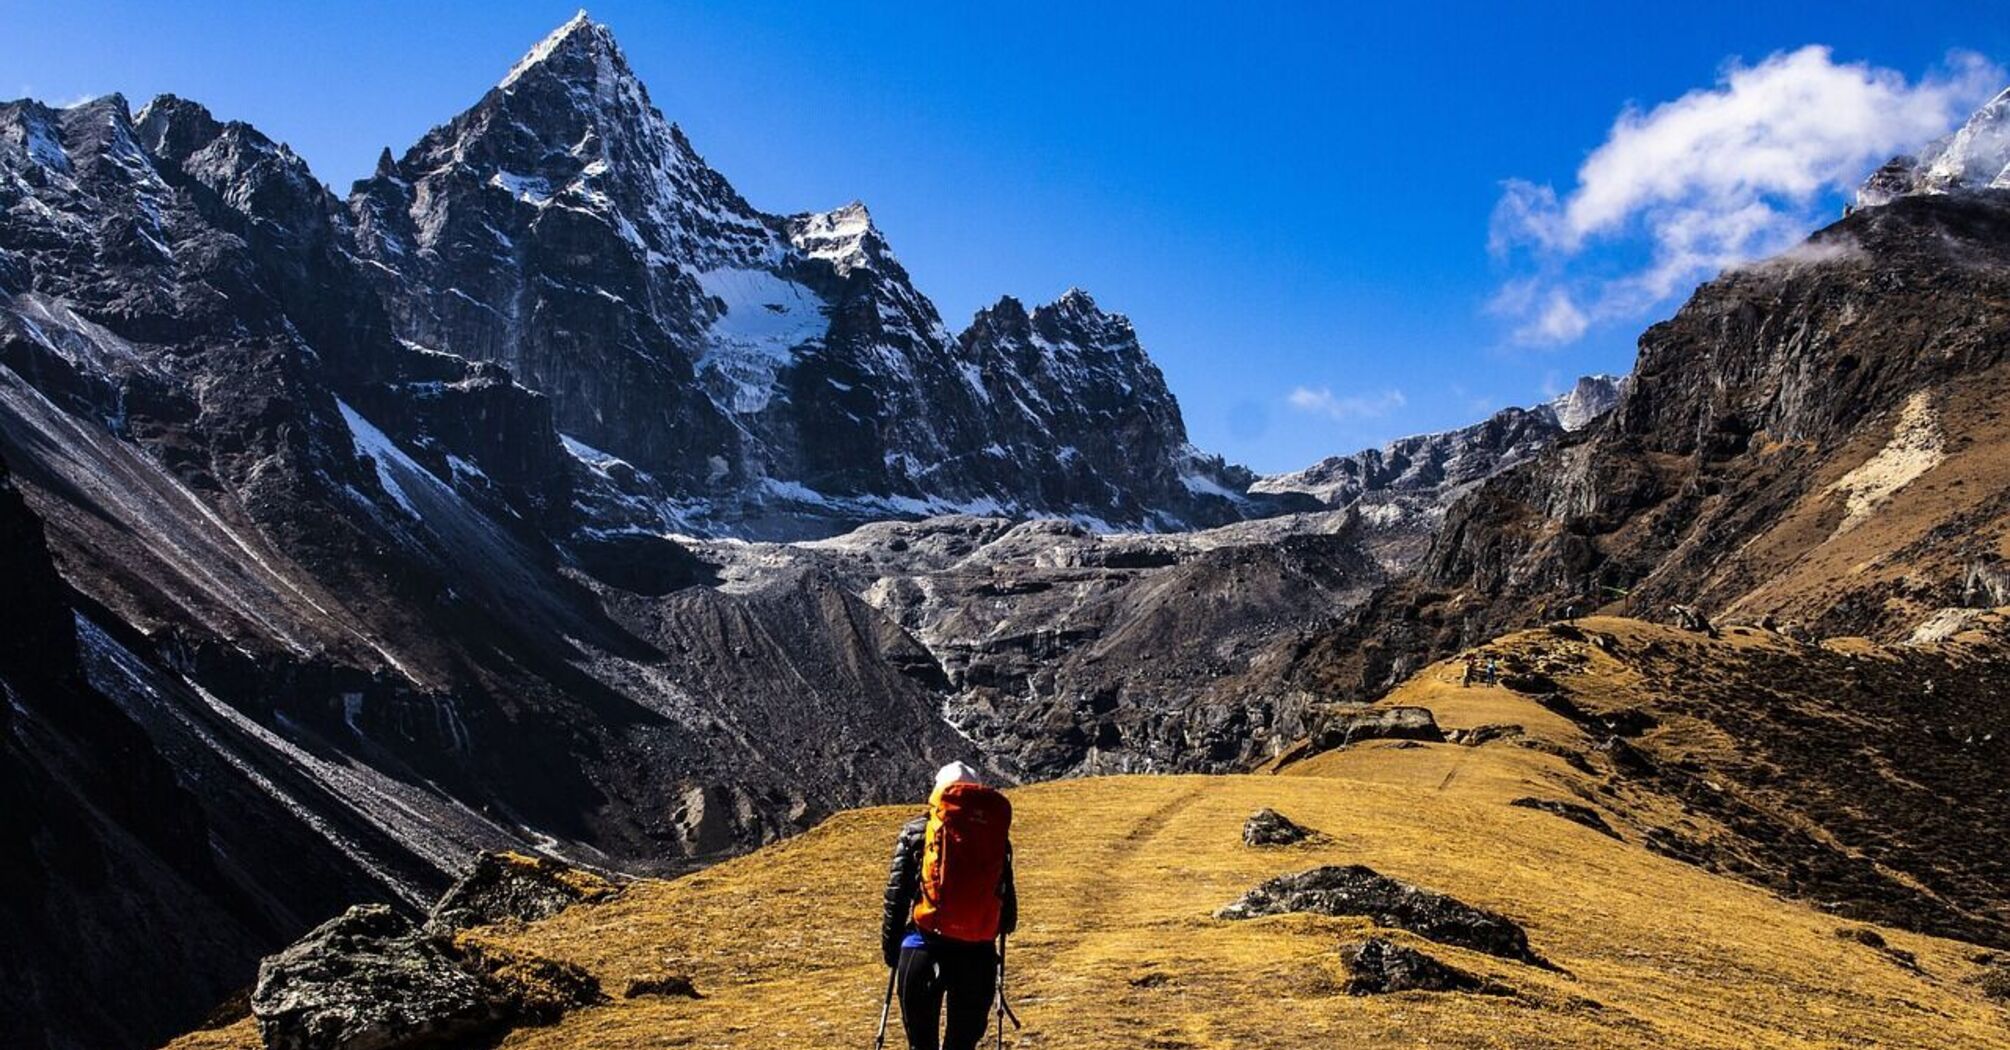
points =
(544, 498)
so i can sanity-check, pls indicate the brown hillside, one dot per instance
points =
(1120, 878)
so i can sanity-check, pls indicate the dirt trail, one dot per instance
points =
(1096, 903)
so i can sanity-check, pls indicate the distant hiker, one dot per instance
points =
(1493, 671)
(1472, 670)
(949, 898)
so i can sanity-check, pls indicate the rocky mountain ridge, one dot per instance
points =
(771, 376)
(415, 525)
(1813, 439)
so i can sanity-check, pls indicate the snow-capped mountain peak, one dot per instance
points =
(1589, 398)
(579, 38)
(1975, 157)
(759, 366)
(1978, 154)
(845, 237)
(1079, 303)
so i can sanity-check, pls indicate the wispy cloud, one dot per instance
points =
(1344, 408)
(1717, 177)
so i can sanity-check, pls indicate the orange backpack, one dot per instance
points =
(963, 863)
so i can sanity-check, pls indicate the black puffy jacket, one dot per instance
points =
(903, 886)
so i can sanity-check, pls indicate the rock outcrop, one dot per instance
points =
(370, 979)
(515, 886)
(1574, 812)
(1355, 724)
(1354, 890)
(1268, 827)
(1379, 966)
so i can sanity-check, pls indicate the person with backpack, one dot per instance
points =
(949, 899)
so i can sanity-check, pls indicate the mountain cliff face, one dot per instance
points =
(118, 881)
(355, 512)
(772, 375)
(1816, 439)
(319, 582)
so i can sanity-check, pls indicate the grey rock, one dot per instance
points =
(502, 886)
(1986, 584)
(1484, 734)
(1379, 966)
(1571, 811)
(1354, 890)
(1268, 827)
(1346, 727)
(1588, 399)
(1690, 618)
(371, 980)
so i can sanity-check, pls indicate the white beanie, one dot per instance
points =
(956, 773)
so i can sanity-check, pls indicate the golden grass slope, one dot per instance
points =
(1119, 878)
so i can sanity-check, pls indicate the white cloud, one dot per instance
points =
(1324, 402)
(1717, 177)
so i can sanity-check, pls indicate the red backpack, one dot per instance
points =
(963, 863)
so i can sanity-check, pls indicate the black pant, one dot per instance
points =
(965, 974)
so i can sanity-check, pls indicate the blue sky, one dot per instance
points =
(1330, 226)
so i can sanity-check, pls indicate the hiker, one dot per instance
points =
(1472, 670)
(1493, 671)
(949, 899)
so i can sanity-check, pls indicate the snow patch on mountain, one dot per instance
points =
(763, 319)
(378, 447)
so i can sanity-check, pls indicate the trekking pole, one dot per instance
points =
(885, 1008)
(1004, 1008)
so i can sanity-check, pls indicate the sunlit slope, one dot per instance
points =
(1119, 878)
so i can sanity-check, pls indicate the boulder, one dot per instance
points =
(1484, 734)
(1570, 811)
(1345, 727)
(502, 886)
(1378, 966)
(370, 979)
(1986, 584)
(1268, 827)
(1355, 890)
(1875, 941)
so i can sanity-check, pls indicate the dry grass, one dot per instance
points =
(1119, 878)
